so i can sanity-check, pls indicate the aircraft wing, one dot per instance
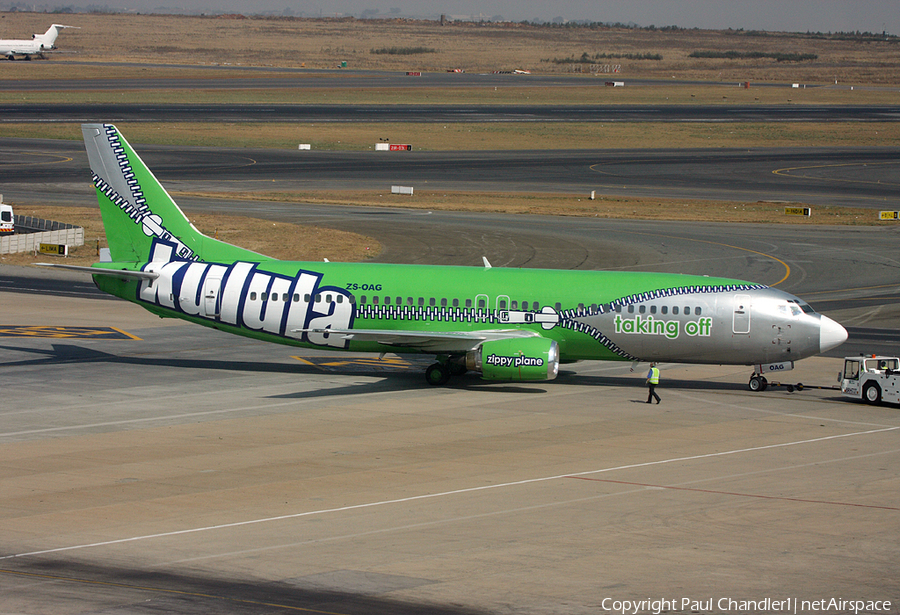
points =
(432, 341)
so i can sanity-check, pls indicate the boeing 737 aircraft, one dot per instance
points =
(38, 44)
(506, 324)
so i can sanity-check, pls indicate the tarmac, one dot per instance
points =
(179, 469)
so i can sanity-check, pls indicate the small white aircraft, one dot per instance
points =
(38, 44)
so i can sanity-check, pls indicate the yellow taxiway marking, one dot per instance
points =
(105, 333)
(369, 363)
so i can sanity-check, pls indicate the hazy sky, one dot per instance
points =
(787, 15)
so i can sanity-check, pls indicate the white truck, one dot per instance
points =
(7, 221)
(874, 379)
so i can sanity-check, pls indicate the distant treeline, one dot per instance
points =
(743, 55)
(403, 51)
(587, 58)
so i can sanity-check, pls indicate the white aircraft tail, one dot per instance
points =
(48, 38)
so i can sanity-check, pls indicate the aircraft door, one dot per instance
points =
(211, 289)
(741, 317)
(482, 308)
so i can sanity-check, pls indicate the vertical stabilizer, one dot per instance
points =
(47, 40)
(138, 213)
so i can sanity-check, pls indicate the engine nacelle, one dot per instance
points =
(532, 358)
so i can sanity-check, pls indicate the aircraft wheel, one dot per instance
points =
(758, 383)
(437, 374)
(872, 393)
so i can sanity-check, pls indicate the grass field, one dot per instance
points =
(239, 41)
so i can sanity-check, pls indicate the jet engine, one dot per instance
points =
(534, 358)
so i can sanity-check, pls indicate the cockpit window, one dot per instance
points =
(804, 307)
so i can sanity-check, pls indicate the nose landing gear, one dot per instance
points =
(759, 383)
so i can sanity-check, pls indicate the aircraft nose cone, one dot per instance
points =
(831, 334)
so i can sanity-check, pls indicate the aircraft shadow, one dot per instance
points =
(153, 591)
(400, 379)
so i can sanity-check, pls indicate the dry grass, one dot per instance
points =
(237, 42)
(166, 47)
(490, 136)
(293, 242)
(276, 239)
(568, 205)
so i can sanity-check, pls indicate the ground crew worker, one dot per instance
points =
(652, 381)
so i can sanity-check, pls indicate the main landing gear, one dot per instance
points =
(438, 374)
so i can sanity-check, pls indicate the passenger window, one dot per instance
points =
(642, 309)
(375, 300)
(580, 307)
(481, 304)
(456, 303)
(296, 297)
(514, 305)
(443, 302)
(653, 309)
(340, 298)
(421, 301)
(665, 309)
(558, 306)
(524, 305)
(502, 304)
(252, 296)
(697, 311)
(468, 303)
(431, 302)
(409, 301)
(328, 299)
(675, 310)
(631, 309)
(264, 296)
(362, 299)
(399, 300)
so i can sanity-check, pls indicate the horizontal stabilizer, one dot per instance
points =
(118, 273)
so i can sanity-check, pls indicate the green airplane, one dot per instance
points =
(506, 324)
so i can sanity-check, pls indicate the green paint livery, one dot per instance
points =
(507, 324)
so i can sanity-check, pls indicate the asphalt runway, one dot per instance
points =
(192, 472)
(48, 170)
(225, 112)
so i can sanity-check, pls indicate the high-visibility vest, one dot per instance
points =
(654, 375)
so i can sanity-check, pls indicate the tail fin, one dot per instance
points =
(48, 38)
(139, 216)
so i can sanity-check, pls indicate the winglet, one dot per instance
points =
(487, 264)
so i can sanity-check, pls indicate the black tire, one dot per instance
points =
(872, 393)
(757, 384)
(437, 374)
